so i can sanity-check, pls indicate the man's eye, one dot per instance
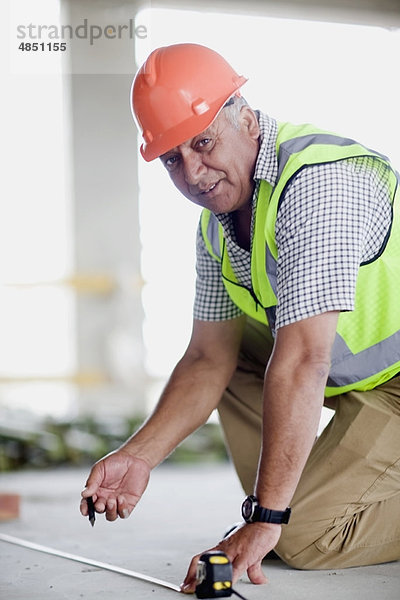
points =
(204, 142)
(171, 162)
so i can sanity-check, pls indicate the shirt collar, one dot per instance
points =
(267, 161)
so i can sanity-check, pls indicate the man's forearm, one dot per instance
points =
(294, 386)
(292, 409)
(191, 394)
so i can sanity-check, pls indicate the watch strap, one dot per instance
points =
(267, 515)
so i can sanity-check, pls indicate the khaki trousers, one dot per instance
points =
(346, 508)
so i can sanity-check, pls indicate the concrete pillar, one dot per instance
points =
(99, 69)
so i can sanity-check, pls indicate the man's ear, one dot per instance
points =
(249, 120)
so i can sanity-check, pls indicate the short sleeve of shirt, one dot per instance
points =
(332, 218)
(212, 302)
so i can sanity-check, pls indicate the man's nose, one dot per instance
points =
(193, 168)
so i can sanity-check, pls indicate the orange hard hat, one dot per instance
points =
(177, 93)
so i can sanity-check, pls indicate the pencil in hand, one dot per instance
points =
(91, 511)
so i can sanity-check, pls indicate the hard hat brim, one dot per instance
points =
(186, 130)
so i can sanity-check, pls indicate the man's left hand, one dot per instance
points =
(245, 547)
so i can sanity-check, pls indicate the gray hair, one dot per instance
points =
(232, 109)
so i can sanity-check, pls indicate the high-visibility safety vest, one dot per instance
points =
(366, 350)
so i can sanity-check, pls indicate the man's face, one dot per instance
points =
(215, 168)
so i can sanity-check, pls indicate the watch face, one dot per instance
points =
(248, 508)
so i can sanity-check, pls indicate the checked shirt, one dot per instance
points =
(332, 218)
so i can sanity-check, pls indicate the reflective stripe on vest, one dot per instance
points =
(297, 144)
(364, 353)
(211, 234)
(366, 363)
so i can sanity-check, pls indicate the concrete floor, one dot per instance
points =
(184, 511)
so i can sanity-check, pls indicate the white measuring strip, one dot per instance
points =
(87, 561)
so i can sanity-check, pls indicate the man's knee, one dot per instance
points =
(307, 553)
(329, 545)
(341, 544)
(295, 554)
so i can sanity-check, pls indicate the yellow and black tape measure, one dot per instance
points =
(214, 576)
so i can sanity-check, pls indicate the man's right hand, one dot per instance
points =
(116, 484)
(117, 481)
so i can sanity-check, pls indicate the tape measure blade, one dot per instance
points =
(87, 561)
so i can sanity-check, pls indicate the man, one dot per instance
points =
(297, 301)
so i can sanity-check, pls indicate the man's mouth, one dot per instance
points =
(210, 189)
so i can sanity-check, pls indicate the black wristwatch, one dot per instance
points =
(252, 512)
